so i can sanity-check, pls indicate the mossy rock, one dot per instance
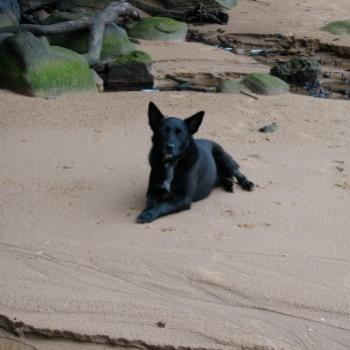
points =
(5, 20)
(229, 86)
(30, 66)
(182, 5)
(298, 71)
(115, 40)
(58, 17)
(10, 13)
(338, 27)
(131, 71)
(265, 84)
(136, 56)
(159, 28)
(27, 5)
(88, 4)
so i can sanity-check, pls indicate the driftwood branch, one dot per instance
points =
(96, 24)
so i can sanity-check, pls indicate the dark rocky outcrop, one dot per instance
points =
(190, 4)
(298, 71)
(129, 72)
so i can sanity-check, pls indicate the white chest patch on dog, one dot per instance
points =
(169, 171)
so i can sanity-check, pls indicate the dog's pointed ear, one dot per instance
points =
(155, 116)
(193, 123)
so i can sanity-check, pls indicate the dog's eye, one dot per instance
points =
(178, 131)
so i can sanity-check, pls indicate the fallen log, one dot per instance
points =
(96, 25)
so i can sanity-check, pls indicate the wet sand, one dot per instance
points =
(263, 270)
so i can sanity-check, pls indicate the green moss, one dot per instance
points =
(159, 28)
(29, 66)
(136, 56)
(232, 86)
(338, 27)
(54, 77)
(265, 84)
(115, 44)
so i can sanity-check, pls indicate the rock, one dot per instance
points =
(298, 71)
(338, 27)
(57, 17)
(115, 40)
(230, 86)
(27, 5)
(273, 127)
(265, 84)
(30, 66)
(3, 36)
(10, 13)
(184, 5)
(98, 81)
(92, 5)
(130, 72)
(159, 28)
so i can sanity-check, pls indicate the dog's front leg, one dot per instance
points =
(165, 208)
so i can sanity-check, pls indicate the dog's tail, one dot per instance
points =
(228, 168)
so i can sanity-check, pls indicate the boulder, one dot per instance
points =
(159, 28)
(27, 5)
(229, 86)
(298, 71)
(130, 72)
(265, 84)
(58, 17)
(184, 5)
(338, 27)
(10, 13)
(30, 66)
(115, 40)
(92, 5)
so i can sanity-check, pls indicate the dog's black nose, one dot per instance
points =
(169, 147)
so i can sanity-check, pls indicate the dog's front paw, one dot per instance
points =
(146, 216)
(248, 186)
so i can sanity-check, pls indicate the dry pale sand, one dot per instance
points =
(291, 17)
(265, 270)
(286, 16)
(199, 61)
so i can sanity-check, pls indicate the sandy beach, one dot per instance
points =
(267, 269)
(263, 270)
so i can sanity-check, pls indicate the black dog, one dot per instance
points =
(184, 170)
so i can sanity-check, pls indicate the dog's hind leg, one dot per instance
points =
(228, 169)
